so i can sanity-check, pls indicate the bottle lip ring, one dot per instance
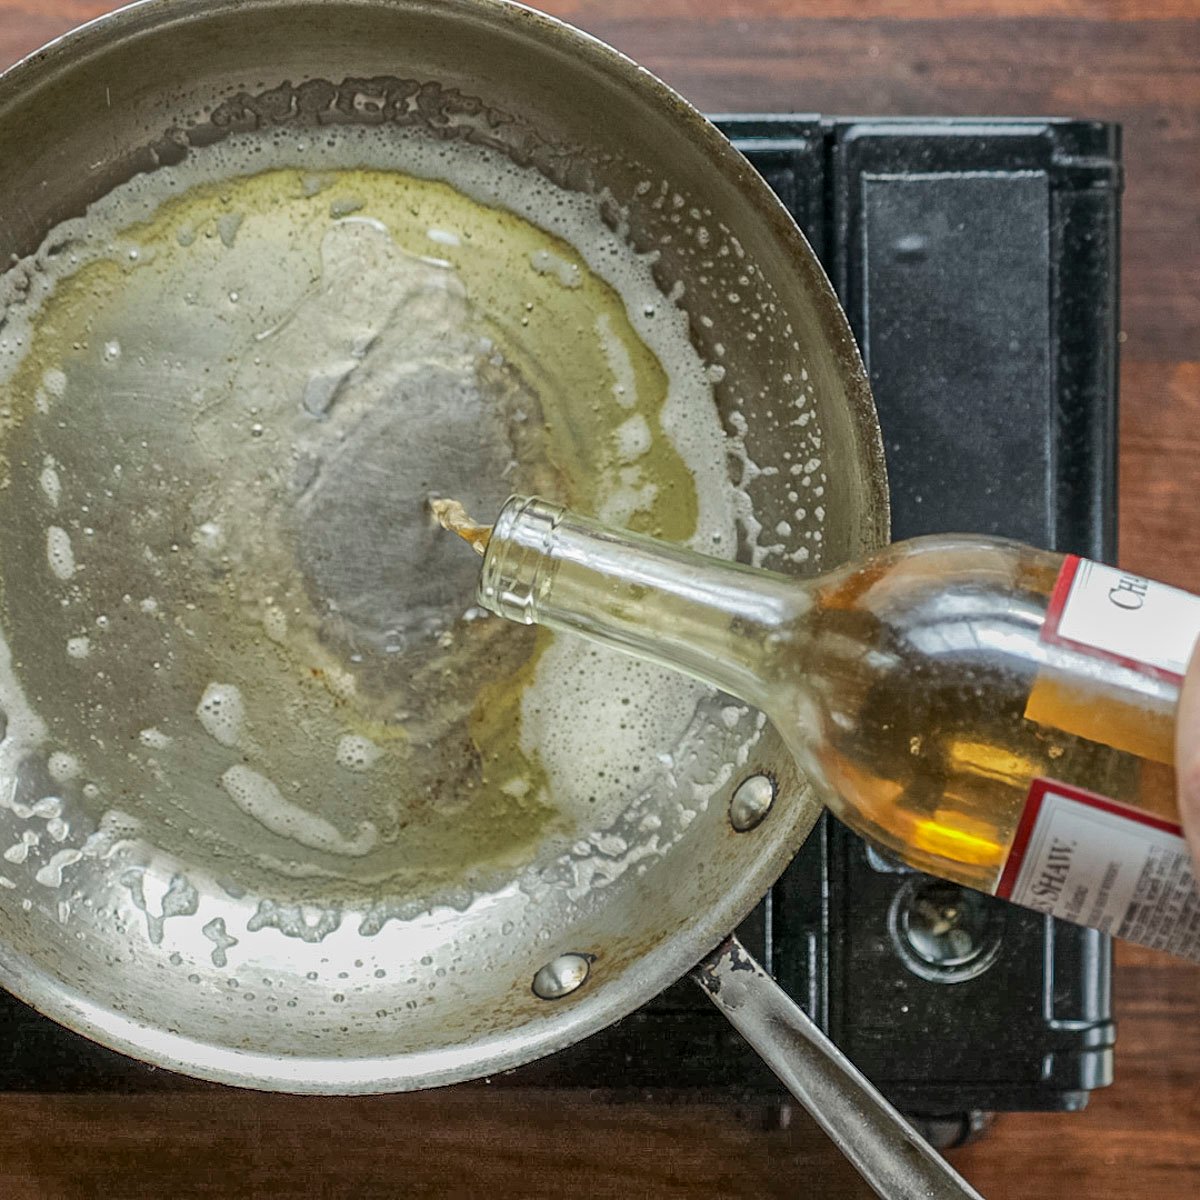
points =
(518, 550)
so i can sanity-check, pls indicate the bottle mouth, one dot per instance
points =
(514, 573)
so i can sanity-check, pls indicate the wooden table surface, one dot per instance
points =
(1132, 61)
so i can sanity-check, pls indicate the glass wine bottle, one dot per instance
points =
(989, 713)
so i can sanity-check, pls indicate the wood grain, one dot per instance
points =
(455, 1143)
(1160, 467)
(1136, 61)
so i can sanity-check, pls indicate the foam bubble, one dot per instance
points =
(51, 875)
(597, 714)
(228, 225)
(62, 766)
(630, 497)
(115, 827)
(50, 483)
(274, 623)
(259, 798)
(633, 438)
(79, 647)
(18, 852)
(731, 715)
(546, 262)
(59, 552)
(221, 712)
(619, 363)
(356, 753)
(343, 206)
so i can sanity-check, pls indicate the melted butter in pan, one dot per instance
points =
(224, 430)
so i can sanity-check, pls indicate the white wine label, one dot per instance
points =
(1087, 859)
(1123, 617)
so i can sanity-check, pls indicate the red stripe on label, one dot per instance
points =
(1054, 613)
(1058, 597)
(1016, 856)
(1033, 806)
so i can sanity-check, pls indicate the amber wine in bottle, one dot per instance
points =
(993, 714)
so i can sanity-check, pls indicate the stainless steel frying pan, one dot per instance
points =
(143, 902)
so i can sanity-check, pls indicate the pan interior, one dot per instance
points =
(244, 686)
(230, 397)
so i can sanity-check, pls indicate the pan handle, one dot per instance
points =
(885, 1149)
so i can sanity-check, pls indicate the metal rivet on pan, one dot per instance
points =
(561, 976)
(751, 802)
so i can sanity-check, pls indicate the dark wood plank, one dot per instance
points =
(465, 1142)
(1137, 61)
(1160, 466)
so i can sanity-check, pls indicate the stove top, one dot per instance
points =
(977, 260)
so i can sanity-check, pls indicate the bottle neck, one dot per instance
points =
(713, 620)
